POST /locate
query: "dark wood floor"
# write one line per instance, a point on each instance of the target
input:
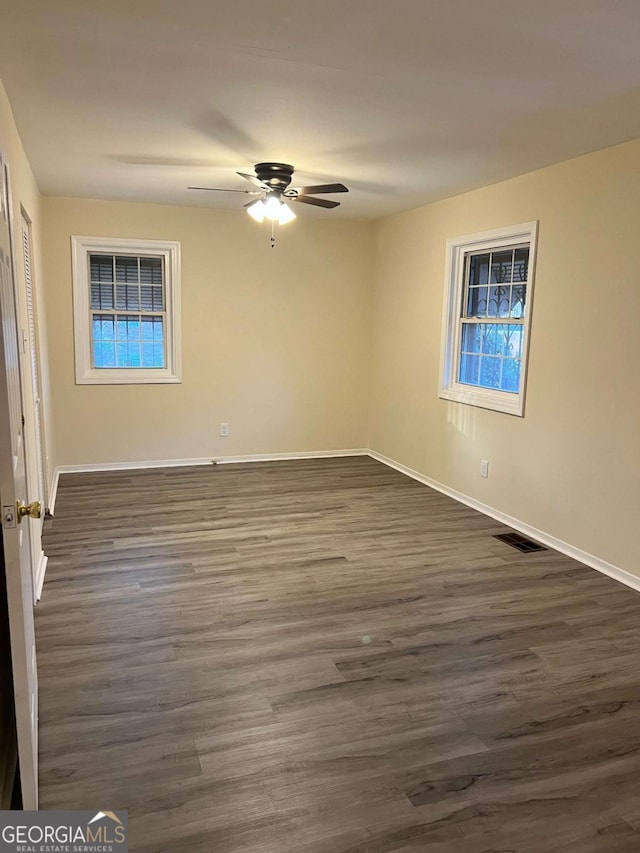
(328, 657)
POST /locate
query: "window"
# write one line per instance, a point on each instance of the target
(126, 296)
(486, 320)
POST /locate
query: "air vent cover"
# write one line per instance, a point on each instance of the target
(517, 540)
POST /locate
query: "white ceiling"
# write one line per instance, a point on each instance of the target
(405, 101)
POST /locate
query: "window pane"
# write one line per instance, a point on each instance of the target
(499, 303)
(146, 326)
(511, 340)
(489, 338)
(147, 354)
(101, 267)
(151, 298)
(479, 269)
(151, 270)
(469, 368)
(133, 329)
(101, 295)
(128, 327)
(158, 355)
(510, 375)
(128, 297)
(144, 341)
(133, 355)
(146, 298)
(521, 265)
(490, 372)
(477, 302)
(103, 354)
(107, 329)
(121, 328)
(518, 295)
(127, 269)
(103, 327)
(471, 337)
(501, 266)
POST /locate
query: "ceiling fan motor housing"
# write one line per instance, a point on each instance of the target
(275, 175)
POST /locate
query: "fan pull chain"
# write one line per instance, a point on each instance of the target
(273, 233)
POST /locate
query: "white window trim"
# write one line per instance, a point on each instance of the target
(457, 249)
(81, 247)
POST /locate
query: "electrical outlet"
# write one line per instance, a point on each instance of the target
(224, 430)
(484, 468)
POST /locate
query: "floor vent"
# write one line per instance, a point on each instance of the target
(517, 540)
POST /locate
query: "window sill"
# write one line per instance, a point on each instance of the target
(124, 376)
(498, 401)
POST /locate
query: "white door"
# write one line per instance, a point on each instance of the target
(15, 530)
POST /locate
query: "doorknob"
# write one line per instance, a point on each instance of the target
(33, 510)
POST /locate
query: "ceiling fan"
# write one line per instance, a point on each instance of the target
(272, 186)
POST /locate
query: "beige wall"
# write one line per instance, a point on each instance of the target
(275, 341)
(25, 195)
(571, 466)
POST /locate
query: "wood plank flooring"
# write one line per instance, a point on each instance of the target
(327, 657)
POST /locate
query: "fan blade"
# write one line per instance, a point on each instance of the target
(224, 190)
(318, 202)
(253, 180)
(321, 189)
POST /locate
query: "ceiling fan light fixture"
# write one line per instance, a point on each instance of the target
(285, 214)
(272, 207)
(272, 183)
(256, 210)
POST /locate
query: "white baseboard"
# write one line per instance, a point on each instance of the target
(53, 491)
(202, 460)
(615, 572)
(280, 457)
(95, 467)
(42, 568)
